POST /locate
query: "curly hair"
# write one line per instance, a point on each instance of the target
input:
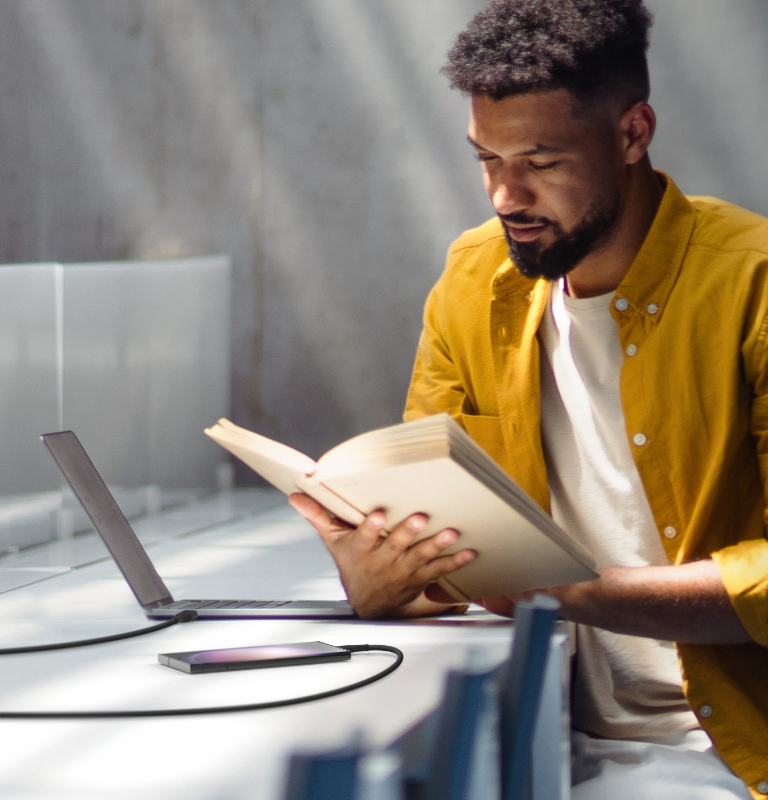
(593, 48)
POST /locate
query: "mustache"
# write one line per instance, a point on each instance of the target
(521, 218)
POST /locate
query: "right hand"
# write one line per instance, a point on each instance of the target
(385, 576)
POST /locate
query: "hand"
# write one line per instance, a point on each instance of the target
(384, 576)
(504, 605)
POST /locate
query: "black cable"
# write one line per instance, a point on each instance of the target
(178, 712)
(184, 616)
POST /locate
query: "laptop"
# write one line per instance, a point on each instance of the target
(132, 559)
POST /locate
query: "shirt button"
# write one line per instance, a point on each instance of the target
(639, 439)
(622, 304)
(670, 532)
(762, 787)
(705, 711)
(652, 308)
(632, 349)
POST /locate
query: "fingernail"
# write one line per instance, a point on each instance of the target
(467, 556)
(417, 523)
(448, 537)
(377, 519)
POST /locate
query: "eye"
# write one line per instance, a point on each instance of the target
(541, 167)
(485, 157)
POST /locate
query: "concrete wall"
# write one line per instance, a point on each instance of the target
(315, 142)
(709, 78)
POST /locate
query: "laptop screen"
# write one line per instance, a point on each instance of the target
(108, 519)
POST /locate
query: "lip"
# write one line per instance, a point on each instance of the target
(527, 234)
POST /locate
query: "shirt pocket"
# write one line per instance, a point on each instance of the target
(485, 431)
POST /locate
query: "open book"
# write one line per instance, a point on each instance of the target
(431, 466)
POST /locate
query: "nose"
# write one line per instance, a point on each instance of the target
(510, 193)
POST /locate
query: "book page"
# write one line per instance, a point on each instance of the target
(407, 441)
(285, 468)
(281, 465)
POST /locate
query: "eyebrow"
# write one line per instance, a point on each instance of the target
(539, 149)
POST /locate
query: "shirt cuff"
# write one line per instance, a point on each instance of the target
(744, 569)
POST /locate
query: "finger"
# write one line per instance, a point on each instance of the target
(368, 537)
(444, 565)
(437, 594)
(403, 535)
(316, 515)
(429, 549)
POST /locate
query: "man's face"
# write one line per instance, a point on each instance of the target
(552, 176)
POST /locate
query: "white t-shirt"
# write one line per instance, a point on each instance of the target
(626, 687)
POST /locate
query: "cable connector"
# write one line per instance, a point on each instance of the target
(355, 648)
(182, 616)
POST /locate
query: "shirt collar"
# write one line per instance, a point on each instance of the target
(649, 281)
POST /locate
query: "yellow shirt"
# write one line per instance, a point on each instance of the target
(692, 313)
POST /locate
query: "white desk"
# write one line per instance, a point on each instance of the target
(264, 551)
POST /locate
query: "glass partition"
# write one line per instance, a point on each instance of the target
(132, 356)
(29, 401)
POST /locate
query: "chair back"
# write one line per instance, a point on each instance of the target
(323, 776)
(465, 700)
(520, 687)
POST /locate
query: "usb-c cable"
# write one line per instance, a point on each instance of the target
(189, 616)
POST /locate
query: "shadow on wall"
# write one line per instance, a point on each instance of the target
(316, 143)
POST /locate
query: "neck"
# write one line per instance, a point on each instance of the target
(603, 269)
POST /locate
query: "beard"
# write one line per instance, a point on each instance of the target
(568, 249)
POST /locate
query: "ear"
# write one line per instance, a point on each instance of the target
(635, 131)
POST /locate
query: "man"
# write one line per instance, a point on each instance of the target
(605, 339)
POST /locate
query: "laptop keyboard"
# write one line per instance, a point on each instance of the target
(184, 604)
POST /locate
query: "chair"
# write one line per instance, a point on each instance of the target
(467, 701)
(323, 776)
(520, 686)
(482, 743)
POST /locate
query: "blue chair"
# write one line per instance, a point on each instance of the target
(449, 771)
(455, 766)
(470, 700)
(520, 686)
(323, 776)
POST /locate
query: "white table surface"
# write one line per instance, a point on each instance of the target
(264, 551)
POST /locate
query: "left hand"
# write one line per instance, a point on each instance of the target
(503, 605)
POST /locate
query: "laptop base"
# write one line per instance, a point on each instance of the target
(255, 609)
